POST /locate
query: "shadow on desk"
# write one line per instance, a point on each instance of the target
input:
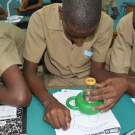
(22, 25)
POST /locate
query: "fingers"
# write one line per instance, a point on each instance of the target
(58, 118)
(68, 118)
(101, 94)
(106, 106)
(52, 120)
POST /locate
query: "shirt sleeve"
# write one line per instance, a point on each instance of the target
(121, 53)
(35, 40)
(113, 3)
(8, 54)
(103, 42)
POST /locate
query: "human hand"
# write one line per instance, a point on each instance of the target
(110, 90)
(114, 15)
(21, 9)
(57, 115)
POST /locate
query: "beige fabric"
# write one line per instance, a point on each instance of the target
(62, 58)
(11, 45)
(107, 3)
(52, 80)
(122, 56)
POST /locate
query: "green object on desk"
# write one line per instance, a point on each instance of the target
(83, 106)
(124, 111)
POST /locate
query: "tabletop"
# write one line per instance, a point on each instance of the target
(124, 111)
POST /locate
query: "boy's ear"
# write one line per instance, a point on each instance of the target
(60, 11)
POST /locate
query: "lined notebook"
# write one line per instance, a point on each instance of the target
(15, 125)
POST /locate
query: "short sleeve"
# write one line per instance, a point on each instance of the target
(35, 40)
(8, 54)
(103, 41)
(113, 3)
(121, 53)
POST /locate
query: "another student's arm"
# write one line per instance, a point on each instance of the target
(36, 6)
(2, 13)
(56, 114)
(114, 9)
(15, 91)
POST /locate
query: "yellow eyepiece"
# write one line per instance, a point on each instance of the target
(90, 81)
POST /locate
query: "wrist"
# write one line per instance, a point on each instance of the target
(48, 100)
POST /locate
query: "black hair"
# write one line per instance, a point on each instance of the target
(82, 14)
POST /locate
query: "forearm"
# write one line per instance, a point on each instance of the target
(37, 87)
(25, 3)
(36, 6)
(102, 74)
(7, 96)
(131, 84)
(4, 15)
(115, 10)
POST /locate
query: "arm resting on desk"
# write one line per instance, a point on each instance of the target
(36, 6)
(55, 114)
(2, 13)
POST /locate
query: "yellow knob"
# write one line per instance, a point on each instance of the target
(90, 81)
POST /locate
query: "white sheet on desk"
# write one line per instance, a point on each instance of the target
(7, 112)
(133, 99)
(82, 124)
(14, 19)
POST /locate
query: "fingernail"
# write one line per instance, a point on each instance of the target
(93, 109)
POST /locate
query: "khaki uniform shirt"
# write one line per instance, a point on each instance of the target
(62, 58)
(107, 3)
(123, 50)
(11, 45)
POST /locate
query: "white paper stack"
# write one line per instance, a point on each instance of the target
(81, 124)
(14, 19)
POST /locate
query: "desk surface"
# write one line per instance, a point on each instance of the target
(116, 22)
(124, 111)
(129, 3)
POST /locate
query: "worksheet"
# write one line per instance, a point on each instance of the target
(82, 124)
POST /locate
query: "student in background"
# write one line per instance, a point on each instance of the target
(110, 3)
(13, 88)
(28, 7)
(2, 13)
(121, 61)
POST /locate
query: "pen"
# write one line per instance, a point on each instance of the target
(130, 132)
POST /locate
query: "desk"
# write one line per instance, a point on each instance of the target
(124, 111)
(129, 6)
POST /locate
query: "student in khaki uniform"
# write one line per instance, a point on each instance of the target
(121, 61)
(105, 7)
(2, 13)
(14, 91)
(74, 38)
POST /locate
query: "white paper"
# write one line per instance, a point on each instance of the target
(7, 112)
(14, 19)
(133, 99)
(82, 124)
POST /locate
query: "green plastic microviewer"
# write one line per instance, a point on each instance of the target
(81, 102)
